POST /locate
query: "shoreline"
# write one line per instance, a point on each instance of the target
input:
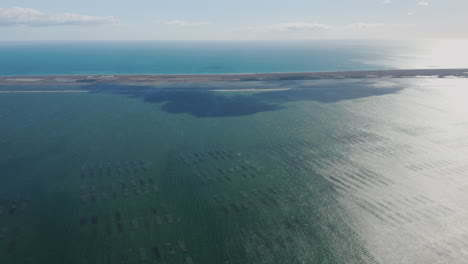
(145, 79)
(171, 90)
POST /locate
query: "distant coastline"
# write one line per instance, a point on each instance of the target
(83, 80)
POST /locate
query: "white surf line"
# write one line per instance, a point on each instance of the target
(200, 90)
(249, 90)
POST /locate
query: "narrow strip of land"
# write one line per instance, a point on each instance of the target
(129, 91)
(44, 91)
(84, 80)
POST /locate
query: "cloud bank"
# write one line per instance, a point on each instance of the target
(293, 26)
(185, 23)
(30, 17)
(314, 27)
(307, 30)
(423, 3)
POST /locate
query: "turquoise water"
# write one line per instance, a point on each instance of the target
(61, 58)
(329, 171)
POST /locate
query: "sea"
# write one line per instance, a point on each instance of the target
(336, 171)
(215, 57)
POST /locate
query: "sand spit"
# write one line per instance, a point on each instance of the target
(23, 80)
(45, 91)
(160, 79)
(123, 91)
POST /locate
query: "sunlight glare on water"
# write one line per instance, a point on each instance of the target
(349, 171)
(424, 54)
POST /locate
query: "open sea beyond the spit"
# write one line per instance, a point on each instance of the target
(192, 57)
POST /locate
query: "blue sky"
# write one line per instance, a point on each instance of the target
(231, 20)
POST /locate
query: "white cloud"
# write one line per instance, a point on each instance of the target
(423, 3)
(306, 30)
(313, 27)
(388, 1)
(361, 26)
(31, 17)
(185, 23)
(293, 26)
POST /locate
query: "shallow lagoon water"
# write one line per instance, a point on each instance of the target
(324, 171)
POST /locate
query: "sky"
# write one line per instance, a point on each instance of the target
(231, 20)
